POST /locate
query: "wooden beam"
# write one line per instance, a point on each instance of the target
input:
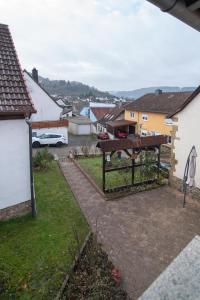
(112, 153)
(126, 151)
(118, 168)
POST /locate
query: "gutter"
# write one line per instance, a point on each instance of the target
(33, 202)
(187, 13)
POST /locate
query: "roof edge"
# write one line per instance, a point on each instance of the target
(188, 100)
(42, 88)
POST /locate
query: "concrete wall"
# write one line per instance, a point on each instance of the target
(187, 135)
(47, 109)
(14, 163)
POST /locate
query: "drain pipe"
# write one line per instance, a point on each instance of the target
(33, 202)
(189, 14)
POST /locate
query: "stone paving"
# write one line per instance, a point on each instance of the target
(141, 233)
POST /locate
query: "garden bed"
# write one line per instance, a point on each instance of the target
(94, 277)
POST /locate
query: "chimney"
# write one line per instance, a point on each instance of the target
(35, 75)
(158, 92)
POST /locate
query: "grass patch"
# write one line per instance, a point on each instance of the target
(34, 256)
(93, 166)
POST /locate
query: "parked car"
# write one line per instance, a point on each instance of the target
(121, 135)
(103, 136)
(49, 139)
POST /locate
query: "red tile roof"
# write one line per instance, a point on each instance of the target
(188, 100)
(99, 112)
(165, 103)
(113, 114)
(14, 97)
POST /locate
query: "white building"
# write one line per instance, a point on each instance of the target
(80, 125)
(16, 190)
(185, 135)
(49, 116)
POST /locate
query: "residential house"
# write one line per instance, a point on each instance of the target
(16, 184)
(49, 116)
(151, 112)
(115, 121)
(67, 112)
(88, 111)
(184, 136)
(80, 107)
(97, 113)
(85, 111)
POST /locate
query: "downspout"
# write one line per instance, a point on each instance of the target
(33, 202)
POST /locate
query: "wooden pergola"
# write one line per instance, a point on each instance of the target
(132, 147)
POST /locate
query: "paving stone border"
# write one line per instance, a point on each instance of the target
(89, 179)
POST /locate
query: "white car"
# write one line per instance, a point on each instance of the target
(49, 139)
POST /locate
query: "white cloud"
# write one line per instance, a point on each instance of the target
(111, 44)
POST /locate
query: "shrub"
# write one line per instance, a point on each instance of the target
(42, 159)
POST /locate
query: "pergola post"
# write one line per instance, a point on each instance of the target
(158, 163)
(133, 168)
(103, 169)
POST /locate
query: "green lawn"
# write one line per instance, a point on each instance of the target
(34, 253)
(93, 166)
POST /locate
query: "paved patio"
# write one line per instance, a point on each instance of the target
(141, 233)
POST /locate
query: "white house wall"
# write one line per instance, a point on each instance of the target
(14, 163)
(47, 109)
(188, 135)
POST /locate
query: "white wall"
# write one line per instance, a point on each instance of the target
(14, 163)
(188, 133)
(47, 109)
(79, 129)
(97, 104)
(84, 129)
(56, 130)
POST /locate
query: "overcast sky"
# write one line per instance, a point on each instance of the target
(110, 44)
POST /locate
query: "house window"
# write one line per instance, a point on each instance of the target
(168, 121)
(132, 114)
(169, 139)
(144, 133)
(144, 117)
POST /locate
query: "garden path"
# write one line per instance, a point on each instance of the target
(141, 233)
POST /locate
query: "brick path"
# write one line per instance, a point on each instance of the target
(141, 233)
